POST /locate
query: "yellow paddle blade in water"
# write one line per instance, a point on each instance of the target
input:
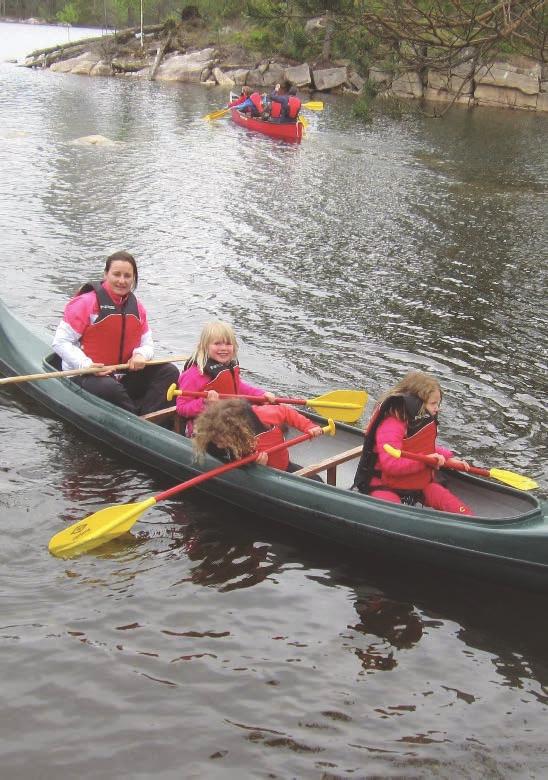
(349, 404)
(216, 114)
(314, 105)
(304, 122)
(514, 480)
(97, 529)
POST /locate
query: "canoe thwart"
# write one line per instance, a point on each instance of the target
(330, 465)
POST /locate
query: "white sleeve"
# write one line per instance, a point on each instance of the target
(146, 347)
(66, 343)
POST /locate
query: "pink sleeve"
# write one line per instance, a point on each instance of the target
(79, 310)
(277, 414)
(392, 431)
(444, 451)
(191, 379)
(245, 389)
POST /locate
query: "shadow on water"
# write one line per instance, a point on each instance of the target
(395, 603)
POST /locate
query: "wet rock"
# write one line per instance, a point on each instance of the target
(94, 140)
(186, 67)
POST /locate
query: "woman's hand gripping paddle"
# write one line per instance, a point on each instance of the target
(508, 477)
(113, 521)
(342, 405)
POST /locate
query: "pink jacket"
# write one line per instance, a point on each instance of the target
(392, 431)
(193, 379)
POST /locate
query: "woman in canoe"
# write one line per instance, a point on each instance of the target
(406, 418)
(285, 105)
(232, 429)
(213, 367)
(105, 324)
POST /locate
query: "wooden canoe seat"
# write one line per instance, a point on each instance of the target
(330, 465)
(164, 414)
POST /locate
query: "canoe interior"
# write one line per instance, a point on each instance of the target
(487, 499)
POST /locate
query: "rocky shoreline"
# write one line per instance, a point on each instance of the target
(163, 54)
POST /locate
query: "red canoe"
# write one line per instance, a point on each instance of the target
(288, 131)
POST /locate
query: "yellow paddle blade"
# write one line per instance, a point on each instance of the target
(172, 392)
(304, 122)
(314, 105)
(513, 479)
(97, 529)
(349, 404)
(216, 114)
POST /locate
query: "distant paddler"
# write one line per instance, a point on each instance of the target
(105, 324)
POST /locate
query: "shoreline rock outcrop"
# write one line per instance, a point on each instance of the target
(516, 82)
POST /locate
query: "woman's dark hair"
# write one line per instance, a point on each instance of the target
(126, 258)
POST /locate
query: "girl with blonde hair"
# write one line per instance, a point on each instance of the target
(406, 418)
(212, 368)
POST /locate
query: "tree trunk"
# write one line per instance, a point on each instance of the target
(159, 56)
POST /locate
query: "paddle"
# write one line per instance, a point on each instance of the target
(342, 405)
(113, 521)
(9, 380)
(313, 105)
(508, 477)
(217, 114)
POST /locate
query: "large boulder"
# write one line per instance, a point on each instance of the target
(223, 79)
(81, 65)
(299, 75)
(275, 73)
(524, 77)
(329, 78)
(380, 76)
(101, 69)
(450, 83)
(186, 67)
(542, 101)
(488, 95)
(238, 76)
(408, 85)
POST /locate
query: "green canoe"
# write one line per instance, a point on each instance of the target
(507, 540)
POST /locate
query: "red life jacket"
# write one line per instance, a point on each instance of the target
(293, 107)
(277, 460)
(226, 381)
(257, 102)
(424, 441)
(275, 110)
(117, 330)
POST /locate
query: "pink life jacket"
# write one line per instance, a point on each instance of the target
(424, 441)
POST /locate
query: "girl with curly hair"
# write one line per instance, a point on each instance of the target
(232, 429)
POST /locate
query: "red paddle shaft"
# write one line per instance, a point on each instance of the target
(449, 463)
(256, 399)
(234, 465)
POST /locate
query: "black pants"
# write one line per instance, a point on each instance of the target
(139, 392)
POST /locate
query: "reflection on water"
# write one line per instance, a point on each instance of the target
(343, 262)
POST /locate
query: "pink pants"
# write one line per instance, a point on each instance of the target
(435, 496)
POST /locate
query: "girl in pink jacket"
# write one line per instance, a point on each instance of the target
(213, 368)
(406, 418)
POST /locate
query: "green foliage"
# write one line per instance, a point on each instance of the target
(68, 14)
(260, 40)
(362, 108)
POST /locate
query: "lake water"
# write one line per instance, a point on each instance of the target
(215, 644)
